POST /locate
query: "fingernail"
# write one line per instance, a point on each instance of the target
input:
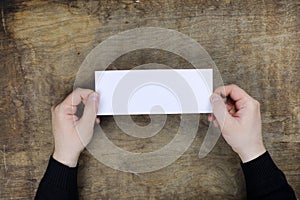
(95, 97)
(215, 98)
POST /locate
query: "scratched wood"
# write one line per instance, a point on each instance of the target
(255, 44)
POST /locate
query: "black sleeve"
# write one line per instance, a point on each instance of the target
(264, 180)
(59, 182)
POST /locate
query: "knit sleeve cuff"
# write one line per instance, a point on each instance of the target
(262, 172)
(60, 175)
(260, 168)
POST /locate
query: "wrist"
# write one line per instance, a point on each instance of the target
(68, 160)
(251, 154)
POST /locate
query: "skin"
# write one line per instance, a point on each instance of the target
(235, 112)
(72, 134)
(239, 120)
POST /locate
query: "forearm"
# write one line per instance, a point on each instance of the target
(59, 182)
(264, 180)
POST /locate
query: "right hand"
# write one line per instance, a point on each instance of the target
(240, 122)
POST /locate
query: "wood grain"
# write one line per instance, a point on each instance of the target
(255, 44)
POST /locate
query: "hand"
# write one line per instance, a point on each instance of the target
(72, 134)
(239, 120)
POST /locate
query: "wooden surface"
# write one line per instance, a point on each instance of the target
(255, 44)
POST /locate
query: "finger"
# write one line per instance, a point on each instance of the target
(70, 110)
(210, 117)
(235, 92)
(242, 103)
(216, 124)
(76, 97)
(97, 120)
(91, 107)
(87, 121)
(220, 110)
(231, 109)
(75, 118)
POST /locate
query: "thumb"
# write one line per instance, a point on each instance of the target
(220, 110)
(87, 120)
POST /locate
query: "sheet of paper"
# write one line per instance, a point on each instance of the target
(155, 91)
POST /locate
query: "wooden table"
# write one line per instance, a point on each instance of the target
(255, 44)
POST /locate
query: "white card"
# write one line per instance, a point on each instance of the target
(154, 91)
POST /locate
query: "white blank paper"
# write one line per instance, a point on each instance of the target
(155, 91)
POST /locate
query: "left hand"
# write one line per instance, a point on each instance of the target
(72, 134)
